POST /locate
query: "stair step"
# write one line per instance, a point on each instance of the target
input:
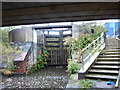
(112, 53)
(111, 67)
(104, 71)
(107, 62)
(100, 76)
(113, 50)
(109, 45)
(109, 55)
(108, 59)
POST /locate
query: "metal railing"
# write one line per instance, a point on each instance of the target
(91, 49)
(118, 80)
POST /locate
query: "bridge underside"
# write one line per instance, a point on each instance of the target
(21, 13)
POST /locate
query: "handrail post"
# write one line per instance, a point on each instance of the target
(94, 44)
(102, 38)
(82, 60)
(89, 52)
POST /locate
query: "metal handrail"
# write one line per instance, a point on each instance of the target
(94, 48)
(118, 80)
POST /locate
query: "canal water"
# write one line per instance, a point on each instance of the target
(49, 77)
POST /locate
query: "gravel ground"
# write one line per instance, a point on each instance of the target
(50, 77)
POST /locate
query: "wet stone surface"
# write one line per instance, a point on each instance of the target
(49, 77)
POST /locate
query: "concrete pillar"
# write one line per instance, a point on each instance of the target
(35, 45)
(75, 34)
(75, 31)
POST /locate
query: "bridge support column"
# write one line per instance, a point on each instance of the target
(75, 34)
(35, 45)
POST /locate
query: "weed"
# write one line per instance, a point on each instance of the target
(73, 67)
(84, 83)
(99, 80)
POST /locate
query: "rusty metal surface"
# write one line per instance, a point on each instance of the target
(22, 56)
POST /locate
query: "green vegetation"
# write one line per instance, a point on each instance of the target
(41, 61)
(73, 67)
(7, 52)
(84, 83)
(85, 38)
(99, 80)
(4, 35)
(85, 28)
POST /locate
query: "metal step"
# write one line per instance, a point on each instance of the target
(103, 71)
(100, 76)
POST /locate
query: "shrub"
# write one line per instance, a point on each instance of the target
(85, 39)
(41, 61)
(4, 34)
(73, 67)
